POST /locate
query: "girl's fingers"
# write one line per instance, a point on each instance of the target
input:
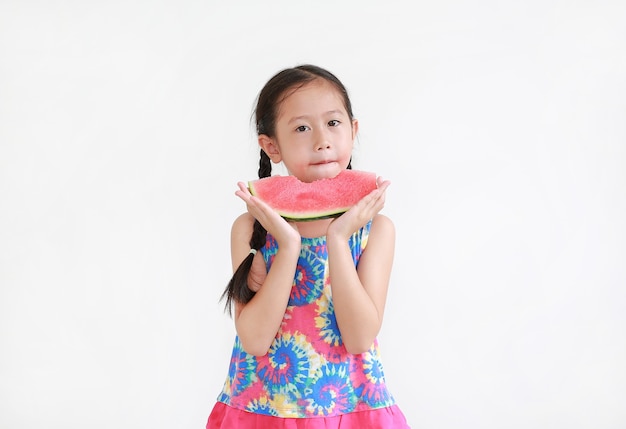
(258, 208)
(376, 197)
(364, 210)
(382, 184)
(243, 190)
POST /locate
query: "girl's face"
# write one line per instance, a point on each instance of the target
(314, 134)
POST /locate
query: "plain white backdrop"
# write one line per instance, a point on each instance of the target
(125, 125)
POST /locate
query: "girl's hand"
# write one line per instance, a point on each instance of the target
(283, 231)
(349, 222)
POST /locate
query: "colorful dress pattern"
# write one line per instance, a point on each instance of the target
(307, 371)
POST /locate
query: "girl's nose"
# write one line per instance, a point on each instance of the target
(322, 141)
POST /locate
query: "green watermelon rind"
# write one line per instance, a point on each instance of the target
(296, 218)
(366, 180)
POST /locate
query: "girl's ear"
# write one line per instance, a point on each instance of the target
(270, 147)
(355, 127)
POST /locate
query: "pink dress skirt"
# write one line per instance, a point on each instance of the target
(227, 417)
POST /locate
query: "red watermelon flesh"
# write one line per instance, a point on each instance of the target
(323, 198)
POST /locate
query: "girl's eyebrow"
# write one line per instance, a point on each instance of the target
(304, 117)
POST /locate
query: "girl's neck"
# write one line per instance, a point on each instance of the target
(313, 229)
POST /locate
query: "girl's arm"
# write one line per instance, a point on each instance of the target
(257, 322)
(359, 295)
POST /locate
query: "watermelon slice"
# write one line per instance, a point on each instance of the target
(323, 198)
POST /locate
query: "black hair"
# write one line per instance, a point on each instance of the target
(279, 87)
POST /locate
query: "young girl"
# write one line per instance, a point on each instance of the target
(308, 297)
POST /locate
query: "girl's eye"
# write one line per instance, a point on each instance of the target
(333, 123)
(302, 128)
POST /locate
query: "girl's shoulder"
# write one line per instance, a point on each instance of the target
(382, 234)
(241, 229)
(244, 221)
(383, 224)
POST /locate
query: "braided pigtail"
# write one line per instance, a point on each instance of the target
(237, 289)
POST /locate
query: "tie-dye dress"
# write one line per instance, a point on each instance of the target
(307, 372)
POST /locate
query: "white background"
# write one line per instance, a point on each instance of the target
(125, 125)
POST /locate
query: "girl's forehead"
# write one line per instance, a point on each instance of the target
(312, 95)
